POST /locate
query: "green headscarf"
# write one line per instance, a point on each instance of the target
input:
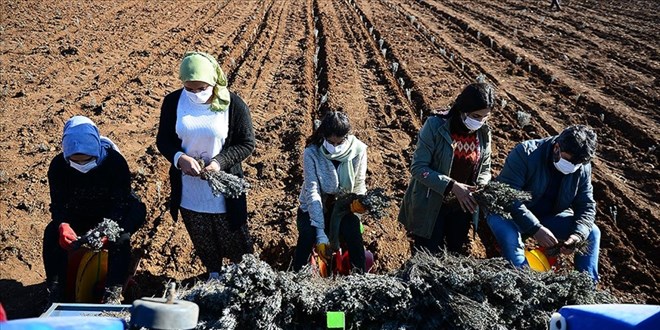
(199, 66)
(346, 172)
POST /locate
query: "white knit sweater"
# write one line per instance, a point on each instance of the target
(203, 133)
(321, 179)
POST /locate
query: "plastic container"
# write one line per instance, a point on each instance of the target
(66, 323)
(610, 316)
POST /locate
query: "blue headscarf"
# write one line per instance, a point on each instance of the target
(81, 136)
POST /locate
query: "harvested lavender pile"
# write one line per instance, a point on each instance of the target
(93, 239)
(445, 292)
(250, 295)
(498, 198)
(467, 293)
(124, 314)
(225, 184)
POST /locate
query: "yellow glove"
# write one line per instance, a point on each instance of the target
(357, 207)
(324, 250)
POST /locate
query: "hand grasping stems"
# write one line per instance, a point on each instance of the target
(464, 196)
(189, 165)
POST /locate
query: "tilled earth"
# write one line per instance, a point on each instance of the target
(386, 63)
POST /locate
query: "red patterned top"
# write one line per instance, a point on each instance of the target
(466, 156)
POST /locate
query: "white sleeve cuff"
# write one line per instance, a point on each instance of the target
(176, 158)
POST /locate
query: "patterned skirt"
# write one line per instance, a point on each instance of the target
(215, 243)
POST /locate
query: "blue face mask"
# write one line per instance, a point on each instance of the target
(83, 168)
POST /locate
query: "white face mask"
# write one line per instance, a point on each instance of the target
(83, 168)
(565, 166)
(334, 150)
(200, 97)
(473, 124)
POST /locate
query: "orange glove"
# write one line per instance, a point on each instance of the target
(67, 236)
(357, 207)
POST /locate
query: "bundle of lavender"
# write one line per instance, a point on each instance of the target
(223, 183)
(374, 203)
(226, 184)
(106, 230)
(498, 198)
(580, 247)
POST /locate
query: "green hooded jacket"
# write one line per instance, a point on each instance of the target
(430, 170)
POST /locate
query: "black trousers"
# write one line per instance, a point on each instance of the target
(349, 231)
(56, 258)
(450, 230)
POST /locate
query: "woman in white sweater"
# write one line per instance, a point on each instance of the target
(335, 162)
(204, 121)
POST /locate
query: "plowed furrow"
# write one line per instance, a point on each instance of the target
(550, 42)
(591, 107)
(642, 14)
(276, 81)
(361, 84)
(19, 22)
(575, 24)
(421, 63)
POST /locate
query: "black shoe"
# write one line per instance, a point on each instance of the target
(54, 294)
(55, 291)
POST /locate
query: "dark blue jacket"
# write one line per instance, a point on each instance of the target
(528, 168)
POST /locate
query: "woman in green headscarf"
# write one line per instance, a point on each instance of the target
(204, 127)
(334, 163)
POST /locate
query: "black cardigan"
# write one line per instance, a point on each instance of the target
(237, 147)
(83, 200)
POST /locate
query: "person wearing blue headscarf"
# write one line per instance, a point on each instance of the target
(86, 123)
(89, 181)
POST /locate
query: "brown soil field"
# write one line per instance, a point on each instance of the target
(387, 63)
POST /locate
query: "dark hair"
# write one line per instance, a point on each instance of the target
(333, 123)
(579, 141)
(474, 97)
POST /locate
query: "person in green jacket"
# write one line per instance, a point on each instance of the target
(451, 160)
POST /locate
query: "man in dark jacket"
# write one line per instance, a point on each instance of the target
(557, 171)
